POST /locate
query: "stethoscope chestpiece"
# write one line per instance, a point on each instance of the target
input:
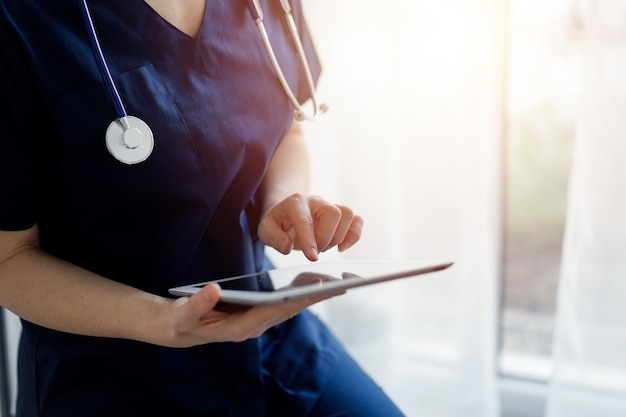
(129, 140)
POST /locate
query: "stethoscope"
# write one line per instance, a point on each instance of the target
(130, 140)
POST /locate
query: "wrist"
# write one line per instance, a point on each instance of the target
(155, 323)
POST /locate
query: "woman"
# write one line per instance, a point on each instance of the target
(90, 245)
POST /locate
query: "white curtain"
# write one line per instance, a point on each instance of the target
(590, 341)
(412, 142)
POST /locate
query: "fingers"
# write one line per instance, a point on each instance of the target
(301, 220)
(311, 224)
(332, 225)
(288, 225)
(342, 231)
(352, 235)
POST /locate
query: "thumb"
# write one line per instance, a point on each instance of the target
(202, 302)
(274, 236)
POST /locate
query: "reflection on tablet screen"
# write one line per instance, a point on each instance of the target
(274, 281)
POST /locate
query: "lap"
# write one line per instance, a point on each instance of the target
(352, 393)
(307, 372)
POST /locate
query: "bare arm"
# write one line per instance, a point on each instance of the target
(59, 295)
(288, 172)
(53, 293)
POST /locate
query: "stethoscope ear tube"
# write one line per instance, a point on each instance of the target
(120, 111)
(257, 16)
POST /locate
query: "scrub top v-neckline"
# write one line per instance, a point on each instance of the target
(169, 21)
(144, 15)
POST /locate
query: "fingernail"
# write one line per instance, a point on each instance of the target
(312, 254)
(287, 246)
(344, 247)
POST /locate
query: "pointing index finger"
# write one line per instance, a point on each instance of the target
(304, 227)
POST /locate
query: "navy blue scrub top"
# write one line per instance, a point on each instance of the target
(186, 214)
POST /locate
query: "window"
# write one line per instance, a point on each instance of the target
(543, 83)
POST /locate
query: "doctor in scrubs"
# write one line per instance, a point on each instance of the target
(206, 167)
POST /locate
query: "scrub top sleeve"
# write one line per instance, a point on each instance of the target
(21, 121)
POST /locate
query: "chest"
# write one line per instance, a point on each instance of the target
(185, 15)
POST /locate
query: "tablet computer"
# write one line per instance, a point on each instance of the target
(322, 278)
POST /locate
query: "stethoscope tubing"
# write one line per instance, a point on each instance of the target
(257, 15)
(120, 111)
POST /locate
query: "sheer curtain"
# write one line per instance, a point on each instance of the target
(412, 142)
(590, 343)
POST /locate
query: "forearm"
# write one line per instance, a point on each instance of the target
(288, 172)
(55, 294)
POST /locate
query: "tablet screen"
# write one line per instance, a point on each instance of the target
(283, 279)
